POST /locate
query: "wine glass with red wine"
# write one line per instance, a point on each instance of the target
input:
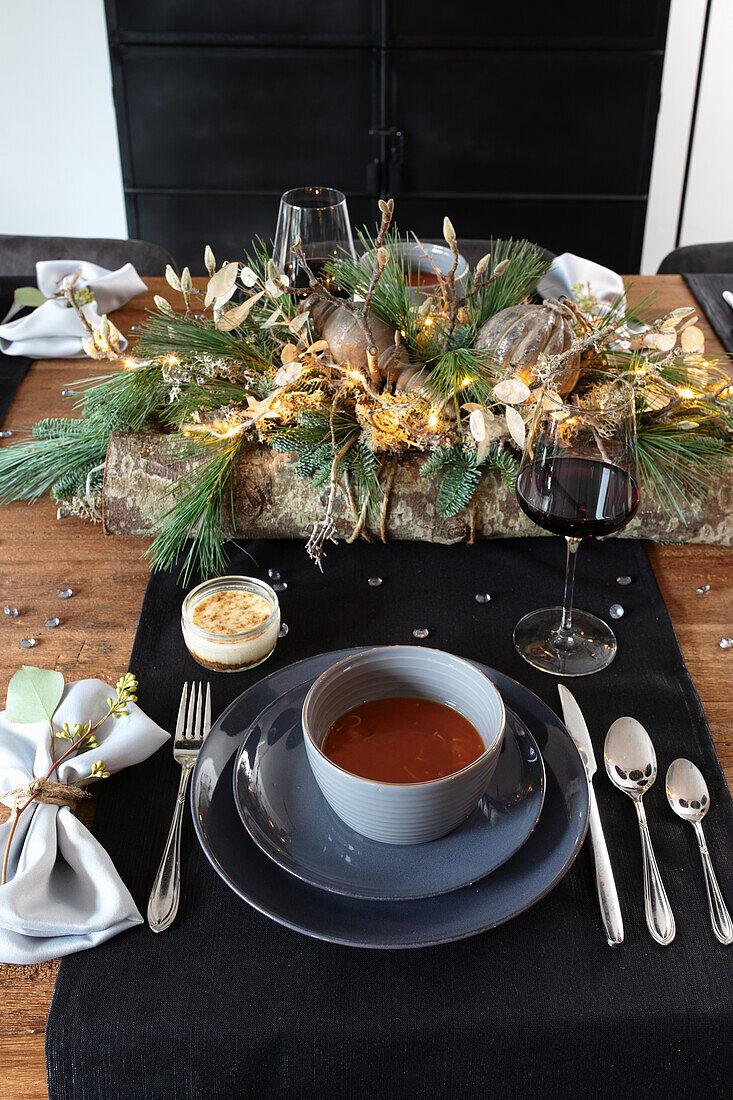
(320, 218)
(577, 479)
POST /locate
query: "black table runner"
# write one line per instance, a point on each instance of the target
(227, 1003)
(708, 289)
(13, 368)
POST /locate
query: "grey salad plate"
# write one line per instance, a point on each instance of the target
(531, 873)
(286, 815)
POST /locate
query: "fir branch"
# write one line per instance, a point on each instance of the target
(505, 461)
(58, 428)
(461, 475)
(74, 482)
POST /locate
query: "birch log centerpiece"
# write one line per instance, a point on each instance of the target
(268, 500)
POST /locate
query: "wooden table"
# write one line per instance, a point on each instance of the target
(108, 577)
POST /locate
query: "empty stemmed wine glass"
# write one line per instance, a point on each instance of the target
(577, 479)
(320, 218)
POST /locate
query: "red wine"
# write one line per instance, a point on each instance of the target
(577, 497)
(317, 264)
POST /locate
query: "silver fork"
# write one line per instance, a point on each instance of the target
(190, 733)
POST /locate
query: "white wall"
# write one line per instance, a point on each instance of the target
(59, 159)
(708, 210)
(708, 214)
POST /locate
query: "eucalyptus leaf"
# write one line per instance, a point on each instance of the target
(33, 695)
(29, 296)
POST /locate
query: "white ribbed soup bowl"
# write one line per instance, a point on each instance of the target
(403, 813)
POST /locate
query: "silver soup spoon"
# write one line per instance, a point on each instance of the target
(631, 763)
(688, 796)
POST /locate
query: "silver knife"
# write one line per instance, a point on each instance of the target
(605, 882)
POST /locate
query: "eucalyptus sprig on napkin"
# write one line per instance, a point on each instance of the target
(33, 695)
(60, 891)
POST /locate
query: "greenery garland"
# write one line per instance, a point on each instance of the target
(253, 363)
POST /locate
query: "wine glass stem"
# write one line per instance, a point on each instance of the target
(565, 630)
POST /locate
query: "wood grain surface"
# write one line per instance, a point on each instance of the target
(108, 576)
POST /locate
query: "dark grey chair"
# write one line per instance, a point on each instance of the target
(18, 255)
(699, 259)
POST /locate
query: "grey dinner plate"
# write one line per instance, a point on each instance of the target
(285, 813)
(525, 878)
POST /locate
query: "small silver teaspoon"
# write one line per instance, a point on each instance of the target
(631, 763)
(688, 796)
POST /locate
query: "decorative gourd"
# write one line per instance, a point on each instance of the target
(347, 342)
(416, 377)
(519, 335)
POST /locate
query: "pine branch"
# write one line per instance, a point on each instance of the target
(165, 334)
(124, 400)
(679, 467)
(464, 374)
(197, 514)
(28, 470)
(526, 266)
(393, 299)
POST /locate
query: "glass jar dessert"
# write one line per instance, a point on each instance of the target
(231, 623)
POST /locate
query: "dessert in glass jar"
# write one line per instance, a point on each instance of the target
(231, 623)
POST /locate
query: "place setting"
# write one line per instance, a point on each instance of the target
(395, 678)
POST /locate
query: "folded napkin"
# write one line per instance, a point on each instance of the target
(567, 272)
(53, 331)
(63, 893)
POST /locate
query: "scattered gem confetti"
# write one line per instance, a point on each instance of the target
(374, 582)
(482, 597)
(615, 611)
(420, 632)
(726, 643)
(27, 643)
(65, 593)
(623, 580)
(279, 586)
(136, 328)
(5, 434)
(67, 393)
(273, 574)
(284, 628)
(10, 611)
(703, 590)
(53, 621)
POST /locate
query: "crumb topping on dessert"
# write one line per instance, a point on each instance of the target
(231, 612)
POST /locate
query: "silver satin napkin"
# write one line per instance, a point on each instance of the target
(568, 272)
(63, 893)
(53, 331)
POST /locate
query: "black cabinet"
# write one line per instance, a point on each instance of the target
(527, 119)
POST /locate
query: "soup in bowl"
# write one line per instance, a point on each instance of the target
(403, 741)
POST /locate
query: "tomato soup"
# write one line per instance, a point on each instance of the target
(420, 276)
(402, 740)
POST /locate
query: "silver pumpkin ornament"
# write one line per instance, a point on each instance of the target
(517, 336)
